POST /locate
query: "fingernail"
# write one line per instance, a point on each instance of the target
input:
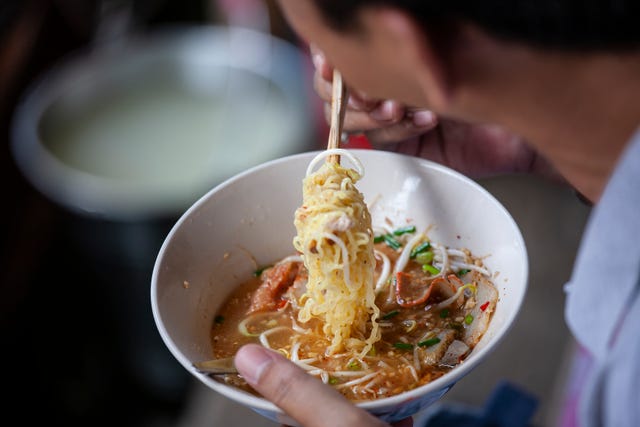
(251, 361)
(318, 59)
(385, 111)
(423, 118)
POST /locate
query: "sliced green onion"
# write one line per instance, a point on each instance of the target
(428, 268)
(403, 346)
(429, 342)
(354, 366)
(391, 242)
(405, 230)
(462, 272)
(259, 271)
(468, 319)
(444, 313)
(333, 381)
(219, 320)
(378, 239)
(455, 325)
(424, 257)
(419, 249)
(390, 314)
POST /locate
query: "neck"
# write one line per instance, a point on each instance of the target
(577, 110)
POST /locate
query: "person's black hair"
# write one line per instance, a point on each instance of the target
(560, 24)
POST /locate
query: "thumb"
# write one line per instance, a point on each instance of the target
(303, 397)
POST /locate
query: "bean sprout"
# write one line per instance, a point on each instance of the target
(386, 267)
(455, 296)
(403, 259)
(358, 381)
(263, 336)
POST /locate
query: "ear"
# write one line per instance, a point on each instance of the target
(416, 51)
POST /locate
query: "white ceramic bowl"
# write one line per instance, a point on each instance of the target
(209, 247)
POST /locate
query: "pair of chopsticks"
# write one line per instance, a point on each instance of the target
(338, 104)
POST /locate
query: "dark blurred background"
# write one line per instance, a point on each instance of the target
(79, 346)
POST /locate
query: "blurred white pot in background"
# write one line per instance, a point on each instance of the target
(143, 129)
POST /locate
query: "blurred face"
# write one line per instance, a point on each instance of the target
(366, 57)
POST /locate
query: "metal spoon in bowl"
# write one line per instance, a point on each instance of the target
(216, 366)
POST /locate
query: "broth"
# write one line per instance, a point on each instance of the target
(430, 321)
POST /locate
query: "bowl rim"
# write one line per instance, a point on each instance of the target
(440, 383)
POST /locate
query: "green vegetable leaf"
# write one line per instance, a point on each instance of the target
(391, 242)
(462, 272)
(403, 346)
(425, 257)
(419, 249)
(405, 230)
(428, 268)
(429, 342)
(455, 325)
(259, 271)
(354, 366)
(390, 314)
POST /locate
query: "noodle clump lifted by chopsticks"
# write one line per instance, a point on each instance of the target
(335, 238)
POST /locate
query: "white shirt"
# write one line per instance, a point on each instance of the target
(603, 301)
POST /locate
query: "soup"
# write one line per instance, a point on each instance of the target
(371, 311)
(435, 303)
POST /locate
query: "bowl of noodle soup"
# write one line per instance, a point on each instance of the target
(244, 229)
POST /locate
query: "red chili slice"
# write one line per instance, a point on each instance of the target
(484, 306)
